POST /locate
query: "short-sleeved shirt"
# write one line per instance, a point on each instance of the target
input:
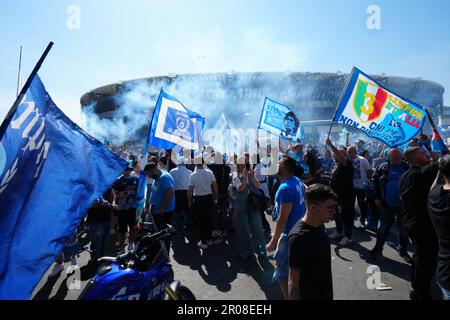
(360, 167)
(309, 251)
(291, 191)
(125, 189)
(180, 177)
(158, 191)
(201, 180)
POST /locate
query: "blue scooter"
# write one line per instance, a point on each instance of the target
(141, 274)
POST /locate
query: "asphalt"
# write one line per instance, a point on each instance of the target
(217, 273)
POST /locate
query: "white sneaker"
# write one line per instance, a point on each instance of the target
(335, 235)
(345, 242)
(202, 245)
(57, 269)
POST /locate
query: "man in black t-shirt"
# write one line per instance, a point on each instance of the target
(439, 208)
(310, 276)
(342, 185)
(415, 186)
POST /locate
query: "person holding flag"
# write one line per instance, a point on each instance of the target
(51, 175)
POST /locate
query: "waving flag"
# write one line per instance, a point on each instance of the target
(279, 120)
(51, 172)
(174, 124)
(437, 144)
(379, 113)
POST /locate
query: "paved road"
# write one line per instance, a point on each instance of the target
(216, 273)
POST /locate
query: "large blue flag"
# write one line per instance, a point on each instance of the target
(378, 112)
(279, 120)
(51, 172)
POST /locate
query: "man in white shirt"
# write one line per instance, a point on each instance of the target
(202, 195)
(362, 172)
(180, 177)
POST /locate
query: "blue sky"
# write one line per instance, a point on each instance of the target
(121, 40)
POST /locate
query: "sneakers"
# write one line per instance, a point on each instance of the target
(202, 245)
(335, 235)
(345, 242)
(57, 269)
(406, 257)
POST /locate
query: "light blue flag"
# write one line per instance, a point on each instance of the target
(51, 172)
(279, 120)
(378, 112)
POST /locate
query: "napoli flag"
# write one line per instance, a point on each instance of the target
(279, 120)
(51, 172)
(378, 112)
(174, 124)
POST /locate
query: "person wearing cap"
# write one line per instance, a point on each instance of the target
(125, 188)
(162, 196)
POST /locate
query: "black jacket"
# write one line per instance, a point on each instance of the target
(415, 186)
(379, 180)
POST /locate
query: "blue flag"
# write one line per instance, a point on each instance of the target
(279, 120)
(51, 172)
(379, 113)
(174, 124)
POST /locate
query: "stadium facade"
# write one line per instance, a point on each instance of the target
(312, 96)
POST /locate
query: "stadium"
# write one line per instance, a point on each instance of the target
(237, 97)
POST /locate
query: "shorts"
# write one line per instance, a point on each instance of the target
(281, 272)
(126, 219)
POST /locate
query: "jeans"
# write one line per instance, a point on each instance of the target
(345, 215)
(179, 216)
(360, 196)
(161, 222)
(99, 234)
(388, 215)
(249, 237)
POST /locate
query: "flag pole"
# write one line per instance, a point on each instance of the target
(340, 100)
(18, 73)
(24, 90)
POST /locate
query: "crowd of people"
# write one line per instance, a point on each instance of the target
(233, 199)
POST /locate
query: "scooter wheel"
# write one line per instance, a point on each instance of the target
(184, 293)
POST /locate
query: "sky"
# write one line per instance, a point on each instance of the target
(122, 40)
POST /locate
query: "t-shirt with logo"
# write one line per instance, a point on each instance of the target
(125, 189)
(360, 167)
(291, 191)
